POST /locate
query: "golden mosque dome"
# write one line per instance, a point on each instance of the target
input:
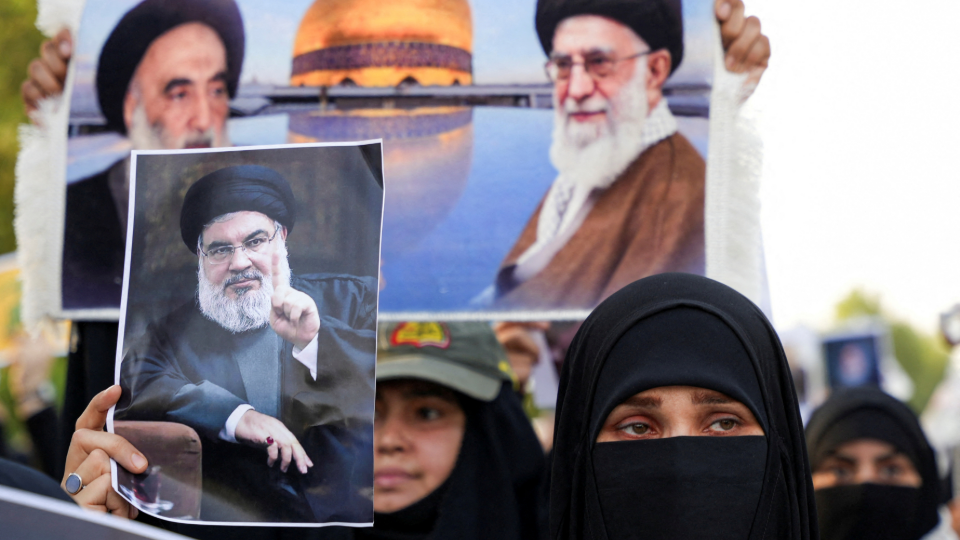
(384, 43)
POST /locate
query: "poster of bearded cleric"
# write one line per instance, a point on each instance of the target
(538, 154)
(247, 338)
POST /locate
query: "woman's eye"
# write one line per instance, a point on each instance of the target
(428, 413)
(841, 472)
(725, 424)
(891, 471)
(636, 429)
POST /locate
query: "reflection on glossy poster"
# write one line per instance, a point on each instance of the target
(537, 155)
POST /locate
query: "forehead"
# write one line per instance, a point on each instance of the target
(866, 449)
(585, 33)
(238, 226)
(408, 389)
(189, 50)
(679, 395)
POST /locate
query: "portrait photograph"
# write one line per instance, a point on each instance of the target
(528, 174)
(247, 342)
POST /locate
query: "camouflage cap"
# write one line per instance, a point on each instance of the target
(464, 356)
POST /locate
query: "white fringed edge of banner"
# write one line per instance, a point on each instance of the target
(40, 190)
(734, 242)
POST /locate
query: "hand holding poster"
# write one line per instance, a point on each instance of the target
(247, 359)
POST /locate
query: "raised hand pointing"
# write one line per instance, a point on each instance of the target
(294, 314)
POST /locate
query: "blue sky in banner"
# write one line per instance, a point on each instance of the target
(505, 46)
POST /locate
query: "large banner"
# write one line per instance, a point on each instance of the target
(537, 155)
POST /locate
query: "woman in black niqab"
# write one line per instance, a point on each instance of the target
(872, 510)
(679, 330)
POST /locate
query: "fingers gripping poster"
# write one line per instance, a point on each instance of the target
(537, 155)
(248, 333)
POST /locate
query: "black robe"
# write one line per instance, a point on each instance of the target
(93, 244)
(182, 371)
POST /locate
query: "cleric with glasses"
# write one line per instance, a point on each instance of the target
(257, 241)
(233, 363)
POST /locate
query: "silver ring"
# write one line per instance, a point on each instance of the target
(73, 484)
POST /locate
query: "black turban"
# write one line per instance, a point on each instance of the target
(658, 22)
(129, 41)
(235, 189)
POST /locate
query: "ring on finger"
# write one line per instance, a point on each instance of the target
(73, 484)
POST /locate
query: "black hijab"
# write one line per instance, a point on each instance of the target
(494, 490)
(872, 510)
(668, 330)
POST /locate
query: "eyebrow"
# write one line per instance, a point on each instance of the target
(595, 50)
(429, 392)
(175, 83)
(847, 460)
(254, 234)
(709, 397)
(220, 77)
(216, 244)
(852, 460)
(221, 243)
(645, 402)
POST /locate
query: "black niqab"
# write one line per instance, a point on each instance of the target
(494, 491)
(872, 510)
(679, 330)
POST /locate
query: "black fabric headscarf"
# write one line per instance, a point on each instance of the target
(494, 491)
(872, 510)
(252, 188)
(679, 330)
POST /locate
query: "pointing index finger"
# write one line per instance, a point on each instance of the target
(275, 270)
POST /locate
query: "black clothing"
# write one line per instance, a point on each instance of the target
(657, 22)
(42, 427)
(871, 511)
(93, 246)
(184, 370)
(851, 511)
(414, 522)
(667, 330)
(494, 490)
(702, 487)
(90, 370)
(242, 187)
(19, 476)
(139, 27)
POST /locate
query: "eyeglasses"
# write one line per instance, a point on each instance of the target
(222, 254)
(597, 64)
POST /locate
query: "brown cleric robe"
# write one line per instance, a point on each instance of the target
(650, 220)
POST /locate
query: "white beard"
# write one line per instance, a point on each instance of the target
(594, 155)
(144, 136)
(251, 308)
